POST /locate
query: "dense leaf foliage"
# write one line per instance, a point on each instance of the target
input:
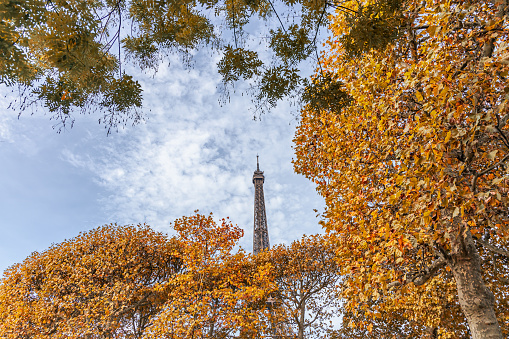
(405, 133)
(219, 293)
(413, 168)
(67, 55)
(133, 282)
(58, 52)
(100, 284)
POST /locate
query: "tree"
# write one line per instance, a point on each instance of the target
(218, 293)
(100, 284)
(413, 161)
(58, 53)
(133, 282)
(67, 55)
(307, 277)
(427, 312)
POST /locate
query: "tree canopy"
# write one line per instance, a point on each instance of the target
(100, 284)
(133, 282)
(219, 291)
(413, 166)
(67, 55)
(404, 132)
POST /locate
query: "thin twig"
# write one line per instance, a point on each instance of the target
(277, 15)
(462, 67)
(119, 27)
(316, 35)
(489, 169)
(341, 7)
(233, 14)
(318, 25)
(319, 63)
(504, 138)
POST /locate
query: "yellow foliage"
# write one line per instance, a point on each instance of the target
(99, 284)
(413, 168)
(219, 293)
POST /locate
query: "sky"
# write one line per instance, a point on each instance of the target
(192, 152)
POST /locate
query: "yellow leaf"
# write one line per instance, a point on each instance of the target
(448, 136)
(456, 212)
(492, 154)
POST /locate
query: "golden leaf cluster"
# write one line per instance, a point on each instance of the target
(413, 167)
(133, 282)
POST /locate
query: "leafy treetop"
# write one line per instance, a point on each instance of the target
(66, 55)
(413, 161)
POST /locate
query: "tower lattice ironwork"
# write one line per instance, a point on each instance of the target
(261, 233)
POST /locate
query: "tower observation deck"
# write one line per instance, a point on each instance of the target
(260, 234)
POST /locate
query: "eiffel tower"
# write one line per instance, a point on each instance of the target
(261, 233)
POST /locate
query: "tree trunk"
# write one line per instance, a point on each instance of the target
(476, 300)
(302, 317)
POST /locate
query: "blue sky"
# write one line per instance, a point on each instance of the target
(190, 153)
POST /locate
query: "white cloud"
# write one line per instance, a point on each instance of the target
(193, 153)
(5, 132)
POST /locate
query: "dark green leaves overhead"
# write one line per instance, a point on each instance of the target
(373, 26)
(68, 55)
(292, 45)
(59, 51)
(171, 23)
(278, 82)
(326, 92)
(239, 63)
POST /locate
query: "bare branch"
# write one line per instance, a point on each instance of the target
(343, 8)
(492, 248)
(277, 15)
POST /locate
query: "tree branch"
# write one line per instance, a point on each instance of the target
(489, 46)
(345, 9)
(277, 15)
(422, 277)
(489, 169)
(429, 272)
(502, 122)
(492, 248)
(394, 284)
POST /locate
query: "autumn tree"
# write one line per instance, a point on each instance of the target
(412, 158)
(427, 312)
(133, 282)
(100, 284)
(431, 310)
(220, 292)
(307, 277)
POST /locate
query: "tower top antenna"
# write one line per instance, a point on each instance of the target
(257, 164)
